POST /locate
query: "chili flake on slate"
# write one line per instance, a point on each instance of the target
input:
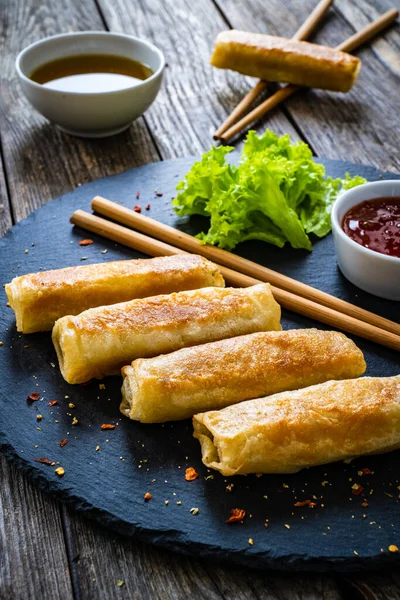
(107, 426)
(237, 515)
(53, 402)
(75, 421)
(63, 442)
(59, 471)
(34, 396)
(85, 242)
(357, 489)
(365, 471)
(191, 474)
(147, 496)
(305, 503)
(44, 461)
(137, 208)
(39, 417)
(148, 207)
(137, 195)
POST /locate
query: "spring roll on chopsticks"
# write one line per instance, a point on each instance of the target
(285, 60)
(284, 433)
(39, 299)
(214, 375)
(100, 341)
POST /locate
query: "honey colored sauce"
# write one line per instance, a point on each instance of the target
(91, 73)
(375, 224)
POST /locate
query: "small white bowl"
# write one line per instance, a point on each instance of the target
(91, 114)
(371, 271)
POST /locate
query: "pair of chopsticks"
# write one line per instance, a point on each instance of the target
(291, 294)
(233, 126)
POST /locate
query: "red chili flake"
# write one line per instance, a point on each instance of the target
(237, 515)
(364, 504)
(147, 496)
(107, 426)
(191, 474)
(357, 489)
(85, 242)
(137, 208)
(26, 346)
(44, 461)
(148, 207)
(312, 505)
(303, 503)
(367, 471)
(159, 194)
(53, 402)
(34, 396)
(137, 195)
(63, 443)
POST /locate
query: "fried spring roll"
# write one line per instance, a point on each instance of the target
(281, 59)
(214, 375)
(284, 433)
(101, 340)
(39, 299)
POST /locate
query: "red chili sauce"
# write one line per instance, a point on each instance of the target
(375, 224)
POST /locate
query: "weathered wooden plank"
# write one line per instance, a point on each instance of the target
(42, 162)
(375, 586)
(361, 126)
(33, 562)
(359, 13)
(5, 213)
(157, 574)
(195, 97)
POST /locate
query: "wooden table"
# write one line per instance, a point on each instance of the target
(48, 551)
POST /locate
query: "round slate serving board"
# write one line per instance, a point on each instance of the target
(109, 484)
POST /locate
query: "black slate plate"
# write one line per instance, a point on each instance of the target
(109, 484)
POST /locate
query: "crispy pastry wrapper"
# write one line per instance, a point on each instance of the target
(100, 341)
(39, 299)
(214, 375)
(286, 432)
(280, 59)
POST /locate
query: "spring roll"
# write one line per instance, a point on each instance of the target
(39, 299)
(101, 340)
(280, 59)
(284, 433)
(214, 375)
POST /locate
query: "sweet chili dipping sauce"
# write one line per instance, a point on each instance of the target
(375, 224)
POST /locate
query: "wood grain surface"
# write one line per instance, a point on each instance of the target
(46, 550)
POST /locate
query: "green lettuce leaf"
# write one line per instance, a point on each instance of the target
(277, 193)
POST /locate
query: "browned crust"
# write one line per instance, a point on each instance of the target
(217, 374)
(39, 299)
(279, 59)
(284, 433)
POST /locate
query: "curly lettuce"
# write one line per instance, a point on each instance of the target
(277, 193)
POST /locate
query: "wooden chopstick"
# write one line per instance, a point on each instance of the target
(290, 301)
(182, 240)
(348, 45)
(302, 33)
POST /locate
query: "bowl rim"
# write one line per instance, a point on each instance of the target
(337, 227)
(72, 34)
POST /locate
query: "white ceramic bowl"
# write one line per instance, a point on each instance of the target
(371, 271)
(91, 114)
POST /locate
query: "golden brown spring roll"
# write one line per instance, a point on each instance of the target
(39, 299)
(284, 433)
(101, 340)
(214, 375)
(281, 59)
